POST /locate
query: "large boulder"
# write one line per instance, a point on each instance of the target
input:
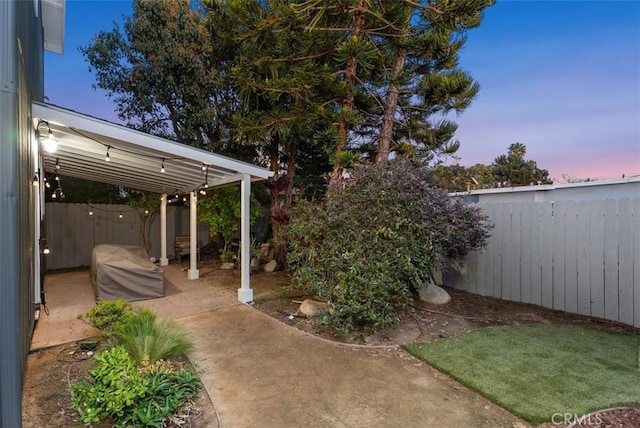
(431, 293)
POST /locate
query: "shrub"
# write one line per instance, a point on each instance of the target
(373, 240)
(148, 340)
(107, 314)
(117, 385)
(130, 396)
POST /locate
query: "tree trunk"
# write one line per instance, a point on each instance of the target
(358, 22)
(390, 106)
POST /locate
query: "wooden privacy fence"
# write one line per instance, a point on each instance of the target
(73, 230)
(577, 256)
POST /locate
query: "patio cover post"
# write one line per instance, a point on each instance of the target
(193, 231)
(163, 230)
(245, 293)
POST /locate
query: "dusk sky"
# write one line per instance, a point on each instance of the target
(561, 77)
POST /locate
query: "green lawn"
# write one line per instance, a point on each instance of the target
(537, 370)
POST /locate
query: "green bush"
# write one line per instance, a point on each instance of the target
(132, 396)
(372, 242)
(107, 314)
(148, 340)
(117, 385)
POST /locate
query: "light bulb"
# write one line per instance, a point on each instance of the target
(50, 144)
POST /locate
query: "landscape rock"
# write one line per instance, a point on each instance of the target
(271, 266)
(311, 308)
(431, 293)
(227, 266)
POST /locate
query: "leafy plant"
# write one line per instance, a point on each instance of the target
(117, 385)
(373, 240)
(107, 314)
(149, 340)
(132, 396)
(221, 208)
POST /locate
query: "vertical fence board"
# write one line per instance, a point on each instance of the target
(597, 258)
(636, 255)
(546, 246)
(526, 252)
(584, 273)
(497, 252)
(515, 243)
(505, 251)
(536, 277)
(611, 246)
(559, 224)
(472, 276)
(570, 257)
(626, 260)
(488, 253)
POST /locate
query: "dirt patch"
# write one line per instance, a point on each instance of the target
(50, 372)
(466, 312)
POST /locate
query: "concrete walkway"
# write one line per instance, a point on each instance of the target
(260, 372)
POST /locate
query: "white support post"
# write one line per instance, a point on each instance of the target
(245, 293)
(193, 272)
(164, 261)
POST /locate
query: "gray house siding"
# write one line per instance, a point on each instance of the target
(21, 80)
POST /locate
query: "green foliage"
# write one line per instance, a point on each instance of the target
(117, 385)
(374, 239)
(221, 208)
(148, 340)
(513, 170)
(106, 315)
(119, 390)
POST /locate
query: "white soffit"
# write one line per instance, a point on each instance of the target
(53, 19)
(135, 157)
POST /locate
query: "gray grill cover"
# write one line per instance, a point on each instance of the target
(125, 271)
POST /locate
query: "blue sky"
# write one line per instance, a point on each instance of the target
(561, 77)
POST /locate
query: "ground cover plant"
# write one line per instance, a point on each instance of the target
(373, 240)
(139, 381)
(124, 392)
(538, 370)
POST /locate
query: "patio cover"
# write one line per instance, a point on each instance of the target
(98, 150)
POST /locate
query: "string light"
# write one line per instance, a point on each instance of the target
(203, 192)
(50, 144)
(57, 163)
(146, 211)
(46, 183)
(53, 195)
(204, 167)
(107, 158)
(184, 199)
(36, 180)
(90, 212)
(162, 167)
(120, 215)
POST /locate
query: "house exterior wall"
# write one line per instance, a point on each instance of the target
(21, 81)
